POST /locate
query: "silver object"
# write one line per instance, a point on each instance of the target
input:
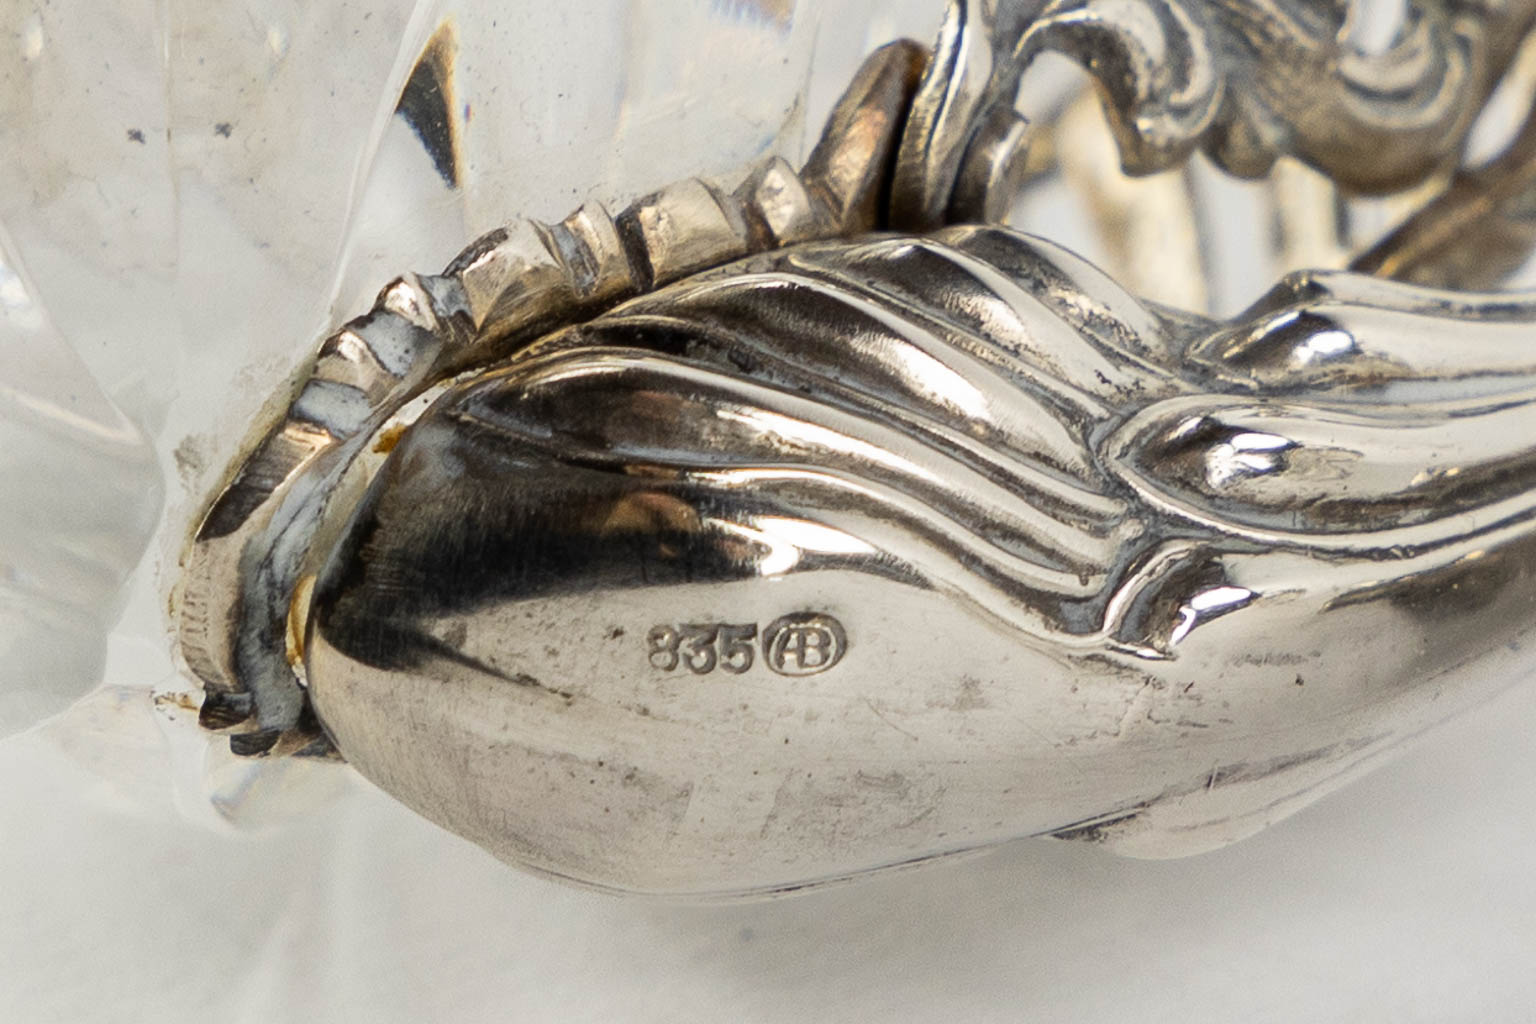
(744, 549)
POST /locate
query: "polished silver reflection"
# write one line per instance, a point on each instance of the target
(751, 549)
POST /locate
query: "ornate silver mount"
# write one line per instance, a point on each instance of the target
(773, 535)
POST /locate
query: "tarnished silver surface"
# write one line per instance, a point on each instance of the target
(750, 550)
(504, 290)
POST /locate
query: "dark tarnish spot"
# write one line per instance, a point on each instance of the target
(970, 696)
(533, 683)
(426, 104)
(320, 748)
(253, 744)
(225, 710)
(223, 129)
(1097, 831)
(135, 135)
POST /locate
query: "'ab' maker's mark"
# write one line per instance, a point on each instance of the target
(798, 644)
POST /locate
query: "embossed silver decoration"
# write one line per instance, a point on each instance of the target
(750, 545)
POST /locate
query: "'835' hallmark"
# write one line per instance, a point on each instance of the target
(798, 644)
